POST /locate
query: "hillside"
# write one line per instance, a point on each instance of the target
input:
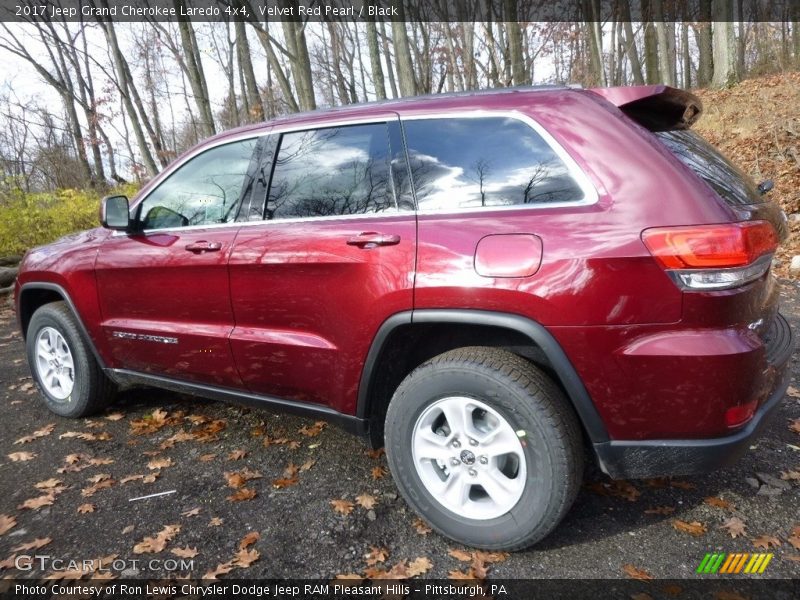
(757, 124)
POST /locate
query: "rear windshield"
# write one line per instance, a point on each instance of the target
(731, 183)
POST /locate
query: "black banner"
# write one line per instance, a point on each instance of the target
(398, 10)
(497, 589)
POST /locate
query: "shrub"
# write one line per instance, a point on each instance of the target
(28, 220)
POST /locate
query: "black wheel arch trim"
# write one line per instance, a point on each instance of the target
(54, 287)
(536, 332)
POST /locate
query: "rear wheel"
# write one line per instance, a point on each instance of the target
(64, 369)
(484, 446)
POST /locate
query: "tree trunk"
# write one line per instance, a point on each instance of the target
(724, 46)
(295, 37)
(705, 46)
(686, 55)
(402, 53)
(519, 75)
(256, 106)
(630, 43)
(375, 60)
(662, 36)
(595, 39)
(125, 86)
(195, 74)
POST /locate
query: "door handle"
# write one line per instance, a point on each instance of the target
(372, 239)
(204, 246)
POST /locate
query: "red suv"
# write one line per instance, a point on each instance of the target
(493, 285)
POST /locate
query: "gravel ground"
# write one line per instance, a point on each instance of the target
(614, 530)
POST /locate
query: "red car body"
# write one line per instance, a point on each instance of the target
(301, 315)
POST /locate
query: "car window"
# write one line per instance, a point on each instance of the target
(724, 177)
(332, 171)
(205, 190)
(461, 163)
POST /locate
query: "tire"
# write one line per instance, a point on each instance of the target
(73, 385)
(496, 401)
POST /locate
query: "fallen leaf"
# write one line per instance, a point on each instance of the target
(719, 503)
(308, 464)
(157, 543)
(376, 555)
(39, 433)
(790, 475)
(115, 416)
(461, 555)
(34, 545)
(159, 463)
(349, 577)
(729, 595)
(795, 426)
(250, 539)
(220, 569)
(215, 522)
(21, 456)
(694, 528)
(244, 558)
(366, 501)
(735, 526)
(127, 529)
(766, 541)
(660, 510)
(242, 494)
(237, 455)
(378, 472)
(641, 596)
(636, 573)
(38, 502)
(376, 454)
(86, 508)
(191, 513)
(343, 507)
(462, 575)
(7, 523)
(99, 477)
(793, 392)
(794, 540)
(207, 457)
(48, 484)
(491, 557)
(184, 552)
(421, 527)
(285, 482)
(314, 430)
(419, 566)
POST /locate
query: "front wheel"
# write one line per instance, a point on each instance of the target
(62, 364)
(484, 446)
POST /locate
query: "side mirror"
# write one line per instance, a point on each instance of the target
(115, 213)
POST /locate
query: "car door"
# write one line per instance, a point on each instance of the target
(332, 259)
(163, 287)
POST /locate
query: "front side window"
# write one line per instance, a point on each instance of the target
(333, 171)
(459, 163)
(205, 190)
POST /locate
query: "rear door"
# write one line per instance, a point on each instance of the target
(332, 259)
(164, 290)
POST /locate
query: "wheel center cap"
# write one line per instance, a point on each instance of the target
(467, 457)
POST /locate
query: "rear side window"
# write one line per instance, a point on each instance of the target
(730, 182)
(333, 171)
(459, 163)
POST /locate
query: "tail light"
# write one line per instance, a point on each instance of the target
(713, 257)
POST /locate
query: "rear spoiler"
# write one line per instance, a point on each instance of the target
(656, 107)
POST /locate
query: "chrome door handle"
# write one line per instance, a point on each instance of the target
(372, 239)
(204, 246)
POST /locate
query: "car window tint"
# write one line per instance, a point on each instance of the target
(334, 171)
(730, 182)
(461, 163)
(205, 190)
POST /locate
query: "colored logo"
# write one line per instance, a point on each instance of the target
(734, 563)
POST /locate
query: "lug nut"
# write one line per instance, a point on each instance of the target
(473, 472)
(483, 460)
(456, 444)
(473, 442)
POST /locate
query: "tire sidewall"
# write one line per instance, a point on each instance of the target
(532, 509)
(75, 404)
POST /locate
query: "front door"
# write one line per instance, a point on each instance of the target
(164, 290)
(333, 258)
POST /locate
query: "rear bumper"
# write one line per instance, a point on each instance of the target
(661, 458)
